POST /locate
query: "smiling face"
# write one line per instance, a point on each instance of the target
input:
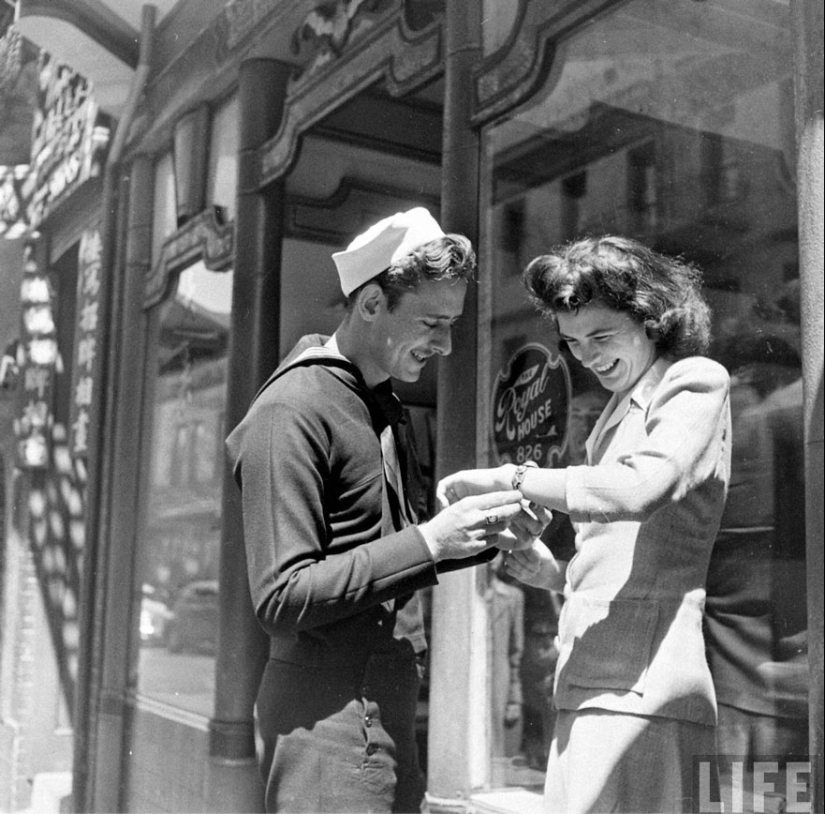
(403, 340)
(610, 343)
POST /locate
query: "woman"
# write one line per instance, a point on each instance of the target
(634, 693)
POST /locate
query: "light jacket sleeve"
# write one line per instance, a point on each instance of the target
(683, 431)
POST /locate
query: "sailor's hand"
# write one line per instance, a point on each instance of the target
(471, 524)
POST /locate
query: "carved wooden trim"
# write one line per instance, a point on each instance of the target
(203, 237)
(382, 47)
(243, 17)
(521, 66)
(331, 26)
(309, 218)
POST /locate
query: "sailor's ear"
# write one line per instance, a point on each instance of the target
(370, 300)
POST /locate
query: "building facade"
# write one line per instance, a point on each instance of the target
(245, 142)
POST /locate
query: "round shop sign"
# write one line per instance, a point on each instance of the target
(531, 401)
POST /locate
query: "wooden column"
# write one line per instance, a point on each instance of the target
(457, 731)
(98, 723)
(191, 156)
(807, 22)
(126, 392)
(253, 354)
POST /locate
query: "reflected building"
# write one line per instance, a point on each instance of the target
(252, 141)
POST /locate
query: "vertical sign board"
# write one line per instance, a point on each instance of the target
(69, 138)
(12, 207)
(36, 360)
(531, 406)
(86, 343)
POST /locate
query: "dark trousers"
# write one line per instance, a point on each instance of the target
(340, 739)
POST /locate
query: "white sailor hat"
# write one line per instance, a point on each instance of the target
(384, 244)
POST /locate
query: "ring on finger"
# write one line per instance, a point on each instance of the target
(491, 518)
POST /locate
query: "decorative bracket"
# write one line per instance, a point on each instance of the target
(204, 237)
(358, 44)
(513, 73)
(330, 26)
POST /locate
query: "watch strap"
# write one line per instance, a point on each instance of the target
(521, 471)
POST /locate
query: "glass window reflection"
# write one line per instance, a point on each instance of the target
(672, 123)
(164, 221)
(223, 159)
(181, 531)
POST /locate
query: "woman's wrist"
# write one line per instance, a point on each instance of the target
(504, 480)
(520, 473)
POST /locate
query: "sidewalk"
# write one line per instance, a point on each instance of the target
(51, 793)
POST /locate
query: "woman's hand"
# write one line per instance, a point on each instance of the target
(525, 527)
(536, 566)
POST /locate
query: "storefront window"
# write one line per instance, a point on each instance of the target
(180, 536)
(670, 122)
(499, 19)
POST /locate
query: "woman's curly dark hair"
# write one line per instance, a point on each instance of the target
(659, 292)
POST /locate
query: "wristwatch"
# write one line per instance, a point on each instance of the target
(521, 471)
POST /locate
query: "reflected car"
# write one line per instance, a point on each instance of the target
(154, 617)
(194, 623)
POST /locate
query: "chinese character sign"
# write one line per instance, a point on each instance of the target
(69, 138)
(37, 355)
(87, 343)
(531, 403)
(12, 206)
